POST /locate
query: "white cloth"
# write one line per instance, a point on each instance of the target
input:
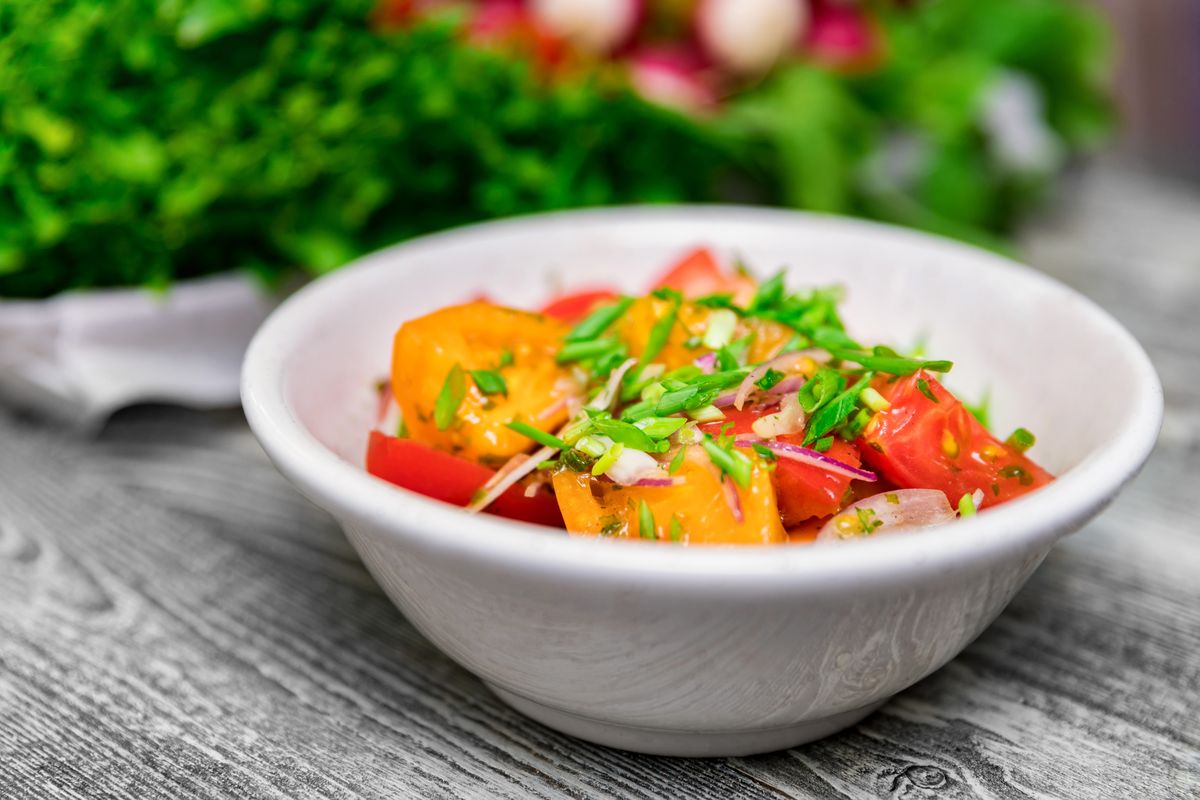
(81, 356)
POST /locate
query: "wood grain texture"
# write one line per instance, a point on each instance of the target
(177, 622)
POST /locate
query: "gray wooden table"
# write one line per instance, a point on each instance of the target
(176, 622)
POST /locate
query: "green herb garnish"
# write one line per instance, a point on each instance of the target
(1020, 473)
(596, 348)
(677, 462)
(605, 462)
(923, 388)
(676, 529)
(770, 378)
(824, 385)
(823, 444)
(454, 389)
(660, 427)
(966, 506)
(866, 520)
(836, 411)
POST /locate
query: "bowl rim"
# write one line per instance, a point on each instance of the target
(348, 490)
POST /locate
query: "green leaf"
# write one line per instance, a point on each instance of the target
(454, 389)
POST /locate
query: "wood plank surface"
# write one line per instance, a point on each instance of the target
(177, 622)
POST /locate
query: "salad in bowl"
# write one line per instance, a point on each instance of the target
(713, 409)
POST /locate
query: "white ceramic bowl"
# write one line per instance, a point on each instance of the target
(706, 651)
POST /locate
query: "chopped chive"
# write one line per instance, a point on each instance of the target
(577, 351)
(677, 462)
(605, 462)
(923, 388)
(892, 498)
(454, 389)
(823, 444)
(489, 381)
(653, 392)
(646, 408)
(646, 521)
(966, 506)
(598, 321)
(1021, 440)
(676, 529)
(721, 324)
(733, 463)
(660, 427)
(539, 436)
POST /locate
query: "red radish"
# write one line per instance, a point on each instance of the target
(748, 36)
(595, 26)
(672, 77)
(840, 35)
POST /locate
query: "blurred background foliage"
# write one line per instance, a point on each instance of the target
(144, 141)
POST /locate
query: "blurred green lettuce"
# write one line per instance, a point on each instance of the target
(144, 141)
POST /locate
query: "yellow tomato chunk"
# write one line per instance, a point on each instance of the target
(703, 516)
(477, 336)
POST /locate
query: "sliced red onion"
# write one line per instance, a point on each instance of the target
(533, 488)
(748, 36)
(675, 77)
(804, 455)
(513, 470)
(552, 409)
(889, 512)
(784, 363)
(596, 26)
(659, 482)
(608, 394)
(785, 386)
(706, 362)
(788, 420)
(731, 497)
(977, 497)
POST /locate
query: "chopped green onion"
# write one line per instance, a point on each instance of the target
(732, 355)
(866, 520)
(874, 400)
(653, 392)
(577, 351)
(628, 435)
(923, 388)
(764, 452)
(769, 379)
(660, 333)
(823, 444)
(489, 382)
(836, 411)
(720, 328)
(721, 300)
(892, 498)
(402, 430)
(692, 342)
(591, 446)
(706, 414)
(646, 522)
(769, 294)
(1021, 440)
(549, 463)
(825, 385)
(676, 529)
(733, 463)
(660, 427)
(684, 373)
(454, 389)
(645, 408)
(796, 343)
(966, 506)
(857, 424)
(576, 460)
(539, 436)
(598, 321)
(887, 363)
(605, 461)
(677, 461)
(506, 358)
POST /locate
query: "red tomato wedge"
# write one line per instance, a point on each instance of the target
(694, 275)
(802, 491)
(452, 479)
(575, 306)
(920, 443)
